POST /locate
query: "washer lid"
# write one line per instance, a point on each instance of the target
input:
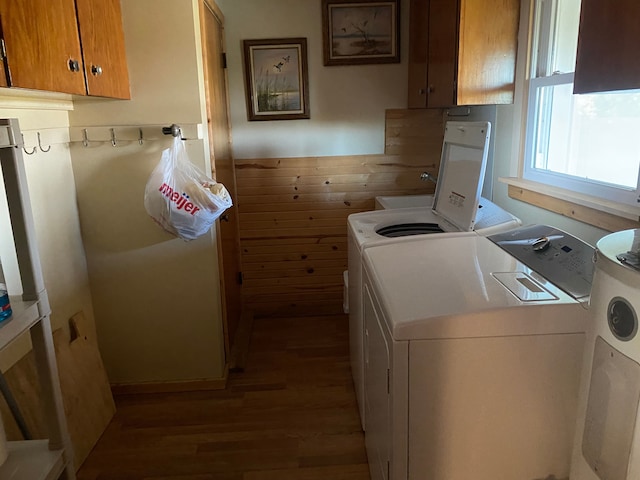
(462, 167)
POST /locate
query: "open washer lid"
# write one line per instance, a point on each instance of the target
(462, 167)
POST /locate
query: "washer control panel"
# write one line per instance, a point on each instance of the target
(561, 258)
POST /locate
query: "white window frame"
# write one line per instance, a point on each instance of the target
(540, 76)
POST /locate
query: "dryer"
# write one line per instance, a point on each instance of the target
(456, 210)
(472, 358)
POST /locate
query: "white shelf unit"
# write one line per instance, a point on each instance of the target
(32, 459)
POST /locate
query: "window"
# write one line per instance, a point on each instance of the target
(584, 143)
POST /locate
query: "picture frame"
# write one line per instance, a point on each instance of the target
(357, 32)
(277, 79)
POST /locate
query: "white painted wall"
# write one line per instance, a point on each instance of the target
(347, 103)
(52, 192)
(157, 298)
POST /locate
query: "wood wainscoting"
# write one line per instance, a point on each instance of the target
(293, 213)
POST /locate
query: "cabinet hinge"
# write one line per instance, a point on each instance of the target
(224, 60)
(240, 278)
(3, 53)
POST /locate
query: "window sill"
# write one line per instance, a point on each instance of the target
(603, 214)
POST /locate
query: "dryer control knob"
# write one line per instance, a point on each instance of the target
(541, 244)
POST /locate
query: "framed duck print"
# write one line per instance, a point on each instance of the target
(358, 32)
(277, 79)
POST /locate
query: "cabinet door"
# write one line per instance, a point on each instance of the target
(41, 39)
(418, 43)
(103, 48)
(608, 45)
(487, 51)
(443, 53)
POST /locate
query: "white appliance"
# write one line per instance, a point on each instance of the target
(607, 441)
(403, 201)
(472, 358)
(488, 215)
(455, 210)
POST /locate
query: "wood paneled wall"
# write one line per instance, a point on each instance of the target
(293, 213)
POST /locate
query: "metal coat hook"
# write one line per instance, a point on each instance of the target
(113, 137)
(173, 130)
(85, 138)
(40, 145)
(25, 148)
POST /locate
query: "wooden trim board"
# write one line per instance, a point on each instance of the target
(240, 347)
(591, 216)
(171, 387)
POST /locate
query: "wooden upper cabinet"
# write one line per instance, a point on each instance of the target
(44, 47)
(105, 63)
(608, 46)
(462, 52)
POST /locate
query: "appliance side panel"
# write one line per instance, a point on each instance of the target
(472, 399)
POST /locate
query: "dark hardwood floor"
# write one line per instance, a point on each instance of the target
(291, 414)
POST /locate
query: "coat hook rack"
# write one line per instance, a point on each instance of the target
(122, 135)
(25, 148)
(40, 145)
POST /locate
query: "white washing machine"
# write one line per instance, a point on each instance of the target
(403, 201)
(472, 357)
(607, 441)
(488, 215)
(456, 210)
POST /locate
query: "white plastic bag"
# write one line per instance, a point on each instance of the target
(181, 198)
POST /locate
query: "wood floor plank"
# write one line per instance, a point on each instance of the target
(333, 472)
(291, 414)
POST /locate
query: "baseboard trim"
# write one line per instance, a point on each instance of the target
(171, 387)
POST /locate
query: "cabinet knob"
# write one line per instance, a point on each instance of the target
(96, 70)
(224, 218)
(430, 89)
(422, 91)
(74, 65)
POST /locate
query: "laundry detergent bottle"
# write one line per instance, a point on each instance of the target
(5, 305)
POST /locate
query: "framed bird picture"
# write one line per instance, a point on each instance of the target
(277, 79)
(357, 32)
